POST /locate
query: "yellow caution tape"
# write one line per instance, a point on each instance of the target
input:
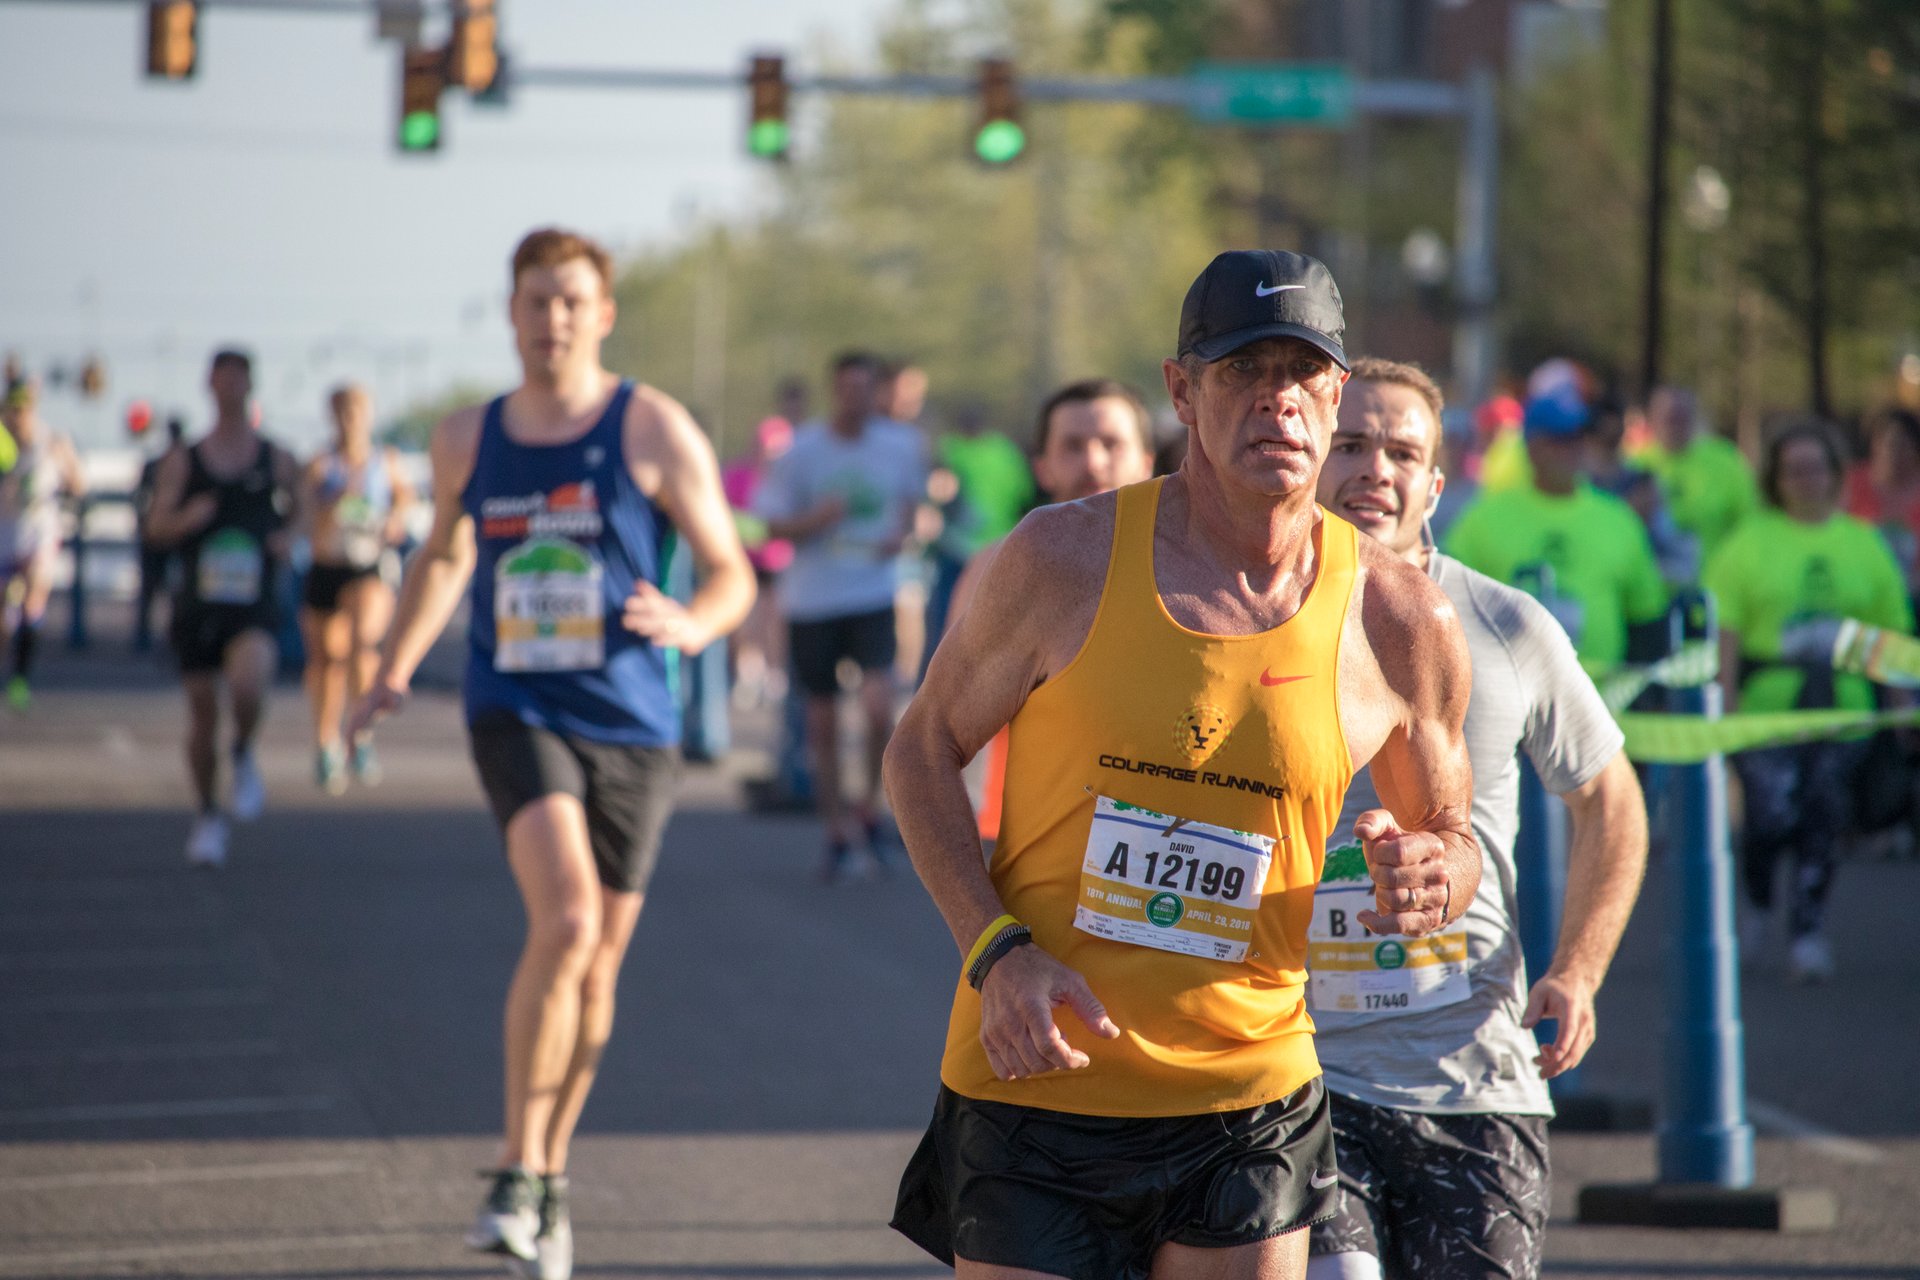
(1677, 739)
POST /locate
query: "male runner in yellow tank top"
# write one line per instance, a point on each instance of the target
(1192, 670)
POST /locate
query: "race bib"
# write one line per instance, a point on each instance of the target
(548, 610)
(229, 568)
(361, 530)
(1169, 883)
(1352, 971)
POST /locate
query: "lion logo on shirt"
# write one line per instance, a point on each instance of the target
(1200, 731)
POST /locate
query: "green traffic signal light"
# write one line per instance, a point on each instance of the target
(768, 138)
(420, 131)
(999, 141)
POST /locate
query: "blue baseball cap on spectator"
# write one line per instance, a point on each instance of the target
(1561, 412)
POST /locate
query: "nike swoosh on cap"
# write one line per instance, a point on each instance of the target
(1322, 1181)
(1261, 291)
(1268, 679)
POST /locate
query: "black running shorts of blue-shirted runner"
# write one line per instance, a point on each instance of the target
(627, 791)
(1093, 1197)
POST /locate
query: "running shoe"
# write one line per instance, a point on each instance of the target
(509, 1220)
(554, 1244)
(330, 770)
(207, 842)
(249, 788)
(19, 696)
(366, 765)
(1810, 960)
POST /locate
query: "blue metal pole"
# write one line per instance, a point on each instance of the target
(1704, 1136)
(77, 595)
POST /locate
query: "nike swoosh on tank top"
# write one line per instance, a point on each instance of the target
(1149, 723)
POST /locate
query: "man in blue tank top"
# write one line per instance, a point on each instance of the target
(562, 502)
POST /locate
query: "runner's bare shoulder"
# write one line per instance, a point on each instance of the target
(455, 444)
(1044, 582)
(659, 433)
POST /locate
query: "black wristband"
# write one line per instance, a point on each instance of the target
(1014, 935)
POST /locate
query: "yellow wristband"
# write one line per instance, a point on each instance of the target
(986, 936)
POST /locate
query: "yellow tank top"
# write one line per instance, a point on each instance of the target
(1149, 725)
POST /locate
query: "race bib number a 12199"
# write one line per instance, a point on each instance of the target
(1158, 881)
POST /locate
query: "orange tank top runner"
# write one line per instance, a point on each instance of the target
(1168, 798)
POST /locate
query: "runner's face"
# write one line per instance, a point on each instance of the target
(353, 418)
(1380, 467)
(231, 385)
(1808, 485)
(853, 393)
(1262, 416)
(560, 315)
(1093, 446)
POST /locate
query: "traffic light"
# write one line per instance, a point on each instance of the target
(173, 45)
(473, 55)
(423, 77)
(767, 135)
(999, 139)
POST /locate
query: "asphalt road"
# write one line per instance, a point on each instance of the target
(290, 1067)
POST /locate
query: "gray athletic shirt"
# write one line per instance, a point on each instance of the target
(1471, 1055)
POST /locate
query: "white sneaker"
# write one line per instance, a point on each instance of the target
(1811, 959)
(207, 843)
(249, 788)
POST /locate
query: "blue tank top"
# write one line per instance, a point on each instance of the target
(562, 534)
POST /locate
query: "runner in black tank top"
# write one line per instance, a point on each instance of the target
(226, 504)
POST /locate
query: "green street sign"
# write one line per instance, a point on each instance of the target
(1253, 92)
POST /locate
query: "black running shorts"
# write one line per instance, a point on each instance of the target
(1092, 1197)
(1445, 1195)
(816, 648)
(325, 582)
(626, 791)
(200, 633)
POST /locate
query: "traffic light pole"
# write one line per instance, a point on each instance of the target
(1475, 104)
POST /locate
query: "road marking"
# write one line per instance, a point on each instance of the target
(184, 1109)
(127, 958)
(116, 1003)
(142, 1053)
(1780, 1121)
(166, 1177)
(144, 1253)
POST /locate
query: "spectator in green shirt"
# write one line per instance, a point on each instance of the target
(1707, 482)
(1784, 580)
(1603, 574)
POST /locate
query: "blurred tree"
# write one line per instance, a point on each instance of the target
(413, 425)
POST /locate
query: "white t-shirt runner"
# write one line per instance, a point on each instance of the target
(1433, 1024)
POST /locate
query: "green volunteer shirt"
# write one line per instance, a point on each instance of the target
(1604, 573)
(994, 481)
(1774, 574)
(1708, 486)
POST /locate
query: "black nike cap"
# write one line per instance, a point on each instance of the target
(1245, 295)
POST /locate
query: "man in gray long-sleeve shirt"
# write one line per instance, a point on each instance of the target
(1439, 1090)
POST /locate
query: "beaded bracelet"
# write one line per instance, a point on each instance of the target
(996, 950)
